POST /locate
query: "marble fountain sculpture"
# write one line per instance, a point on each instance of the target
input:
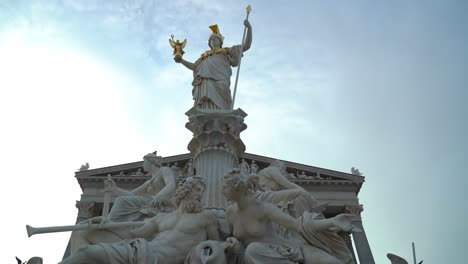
(222, 210)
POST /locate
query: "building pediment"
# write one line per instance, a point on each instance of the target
(304, 175)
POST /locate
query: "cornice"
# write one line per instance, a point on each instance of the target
(128, 166)
(126, 173)
(304, 167)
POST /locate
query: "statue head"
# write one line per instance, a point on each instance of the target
(236, 184)
(215, 42)
(189, 194)
(267, 176)
(216, 39)
(151, 159)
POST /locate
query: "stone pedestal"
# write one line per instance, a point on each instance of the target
(360, 239)
(215, 147)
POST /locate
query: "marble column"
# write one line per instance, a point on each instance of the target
(360, 239)
(215, 147)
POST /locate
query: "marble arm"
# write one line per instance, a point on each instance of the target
(140, 190)
(341, 222)
(283, 182)
(248, 38)
(169, 188)
(229, 216)
(116, 190)
(281, 218)
(187, 64)
(147, 230)
(212, 226)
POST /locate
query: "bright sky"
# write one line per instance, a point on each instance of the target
(379, 85)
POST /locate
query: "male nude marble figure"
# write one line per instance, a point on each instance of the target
(176, 233)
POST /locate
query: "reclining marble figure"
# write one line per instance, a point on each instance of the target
(252, 224)
(176, 233)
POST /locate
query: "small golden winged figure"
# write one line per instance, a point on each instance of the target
(178, 48)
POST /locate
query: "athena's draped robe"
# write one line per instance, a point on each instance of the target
(211, 79)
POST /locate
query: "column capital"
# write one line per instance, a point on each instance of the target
(216, 129)
(85, 209)
(354, 209)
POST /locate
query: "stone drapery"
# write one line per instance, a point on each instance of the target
(211, 79)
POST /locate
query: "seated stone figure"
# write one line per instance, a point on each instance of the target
(275, 188)
(252, 223)
(176, 232)
(152, 197)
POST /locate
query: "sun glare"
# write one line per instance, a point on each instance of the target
(54, 101)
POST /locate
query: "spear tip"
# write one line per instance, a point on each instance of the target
(249, 8)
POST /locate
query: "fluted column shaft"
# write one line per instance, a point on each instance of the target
(360, 239)
(362, 245)
(212, 165)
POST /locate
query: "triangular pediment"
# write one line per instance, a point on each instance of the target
(296, 172)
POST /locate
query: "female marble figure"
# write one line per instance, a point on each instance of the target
(252, 223)
(253, 167)
(152, 197)
(275, 188)
(212, 71)
(244, 167)
(155, 195)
